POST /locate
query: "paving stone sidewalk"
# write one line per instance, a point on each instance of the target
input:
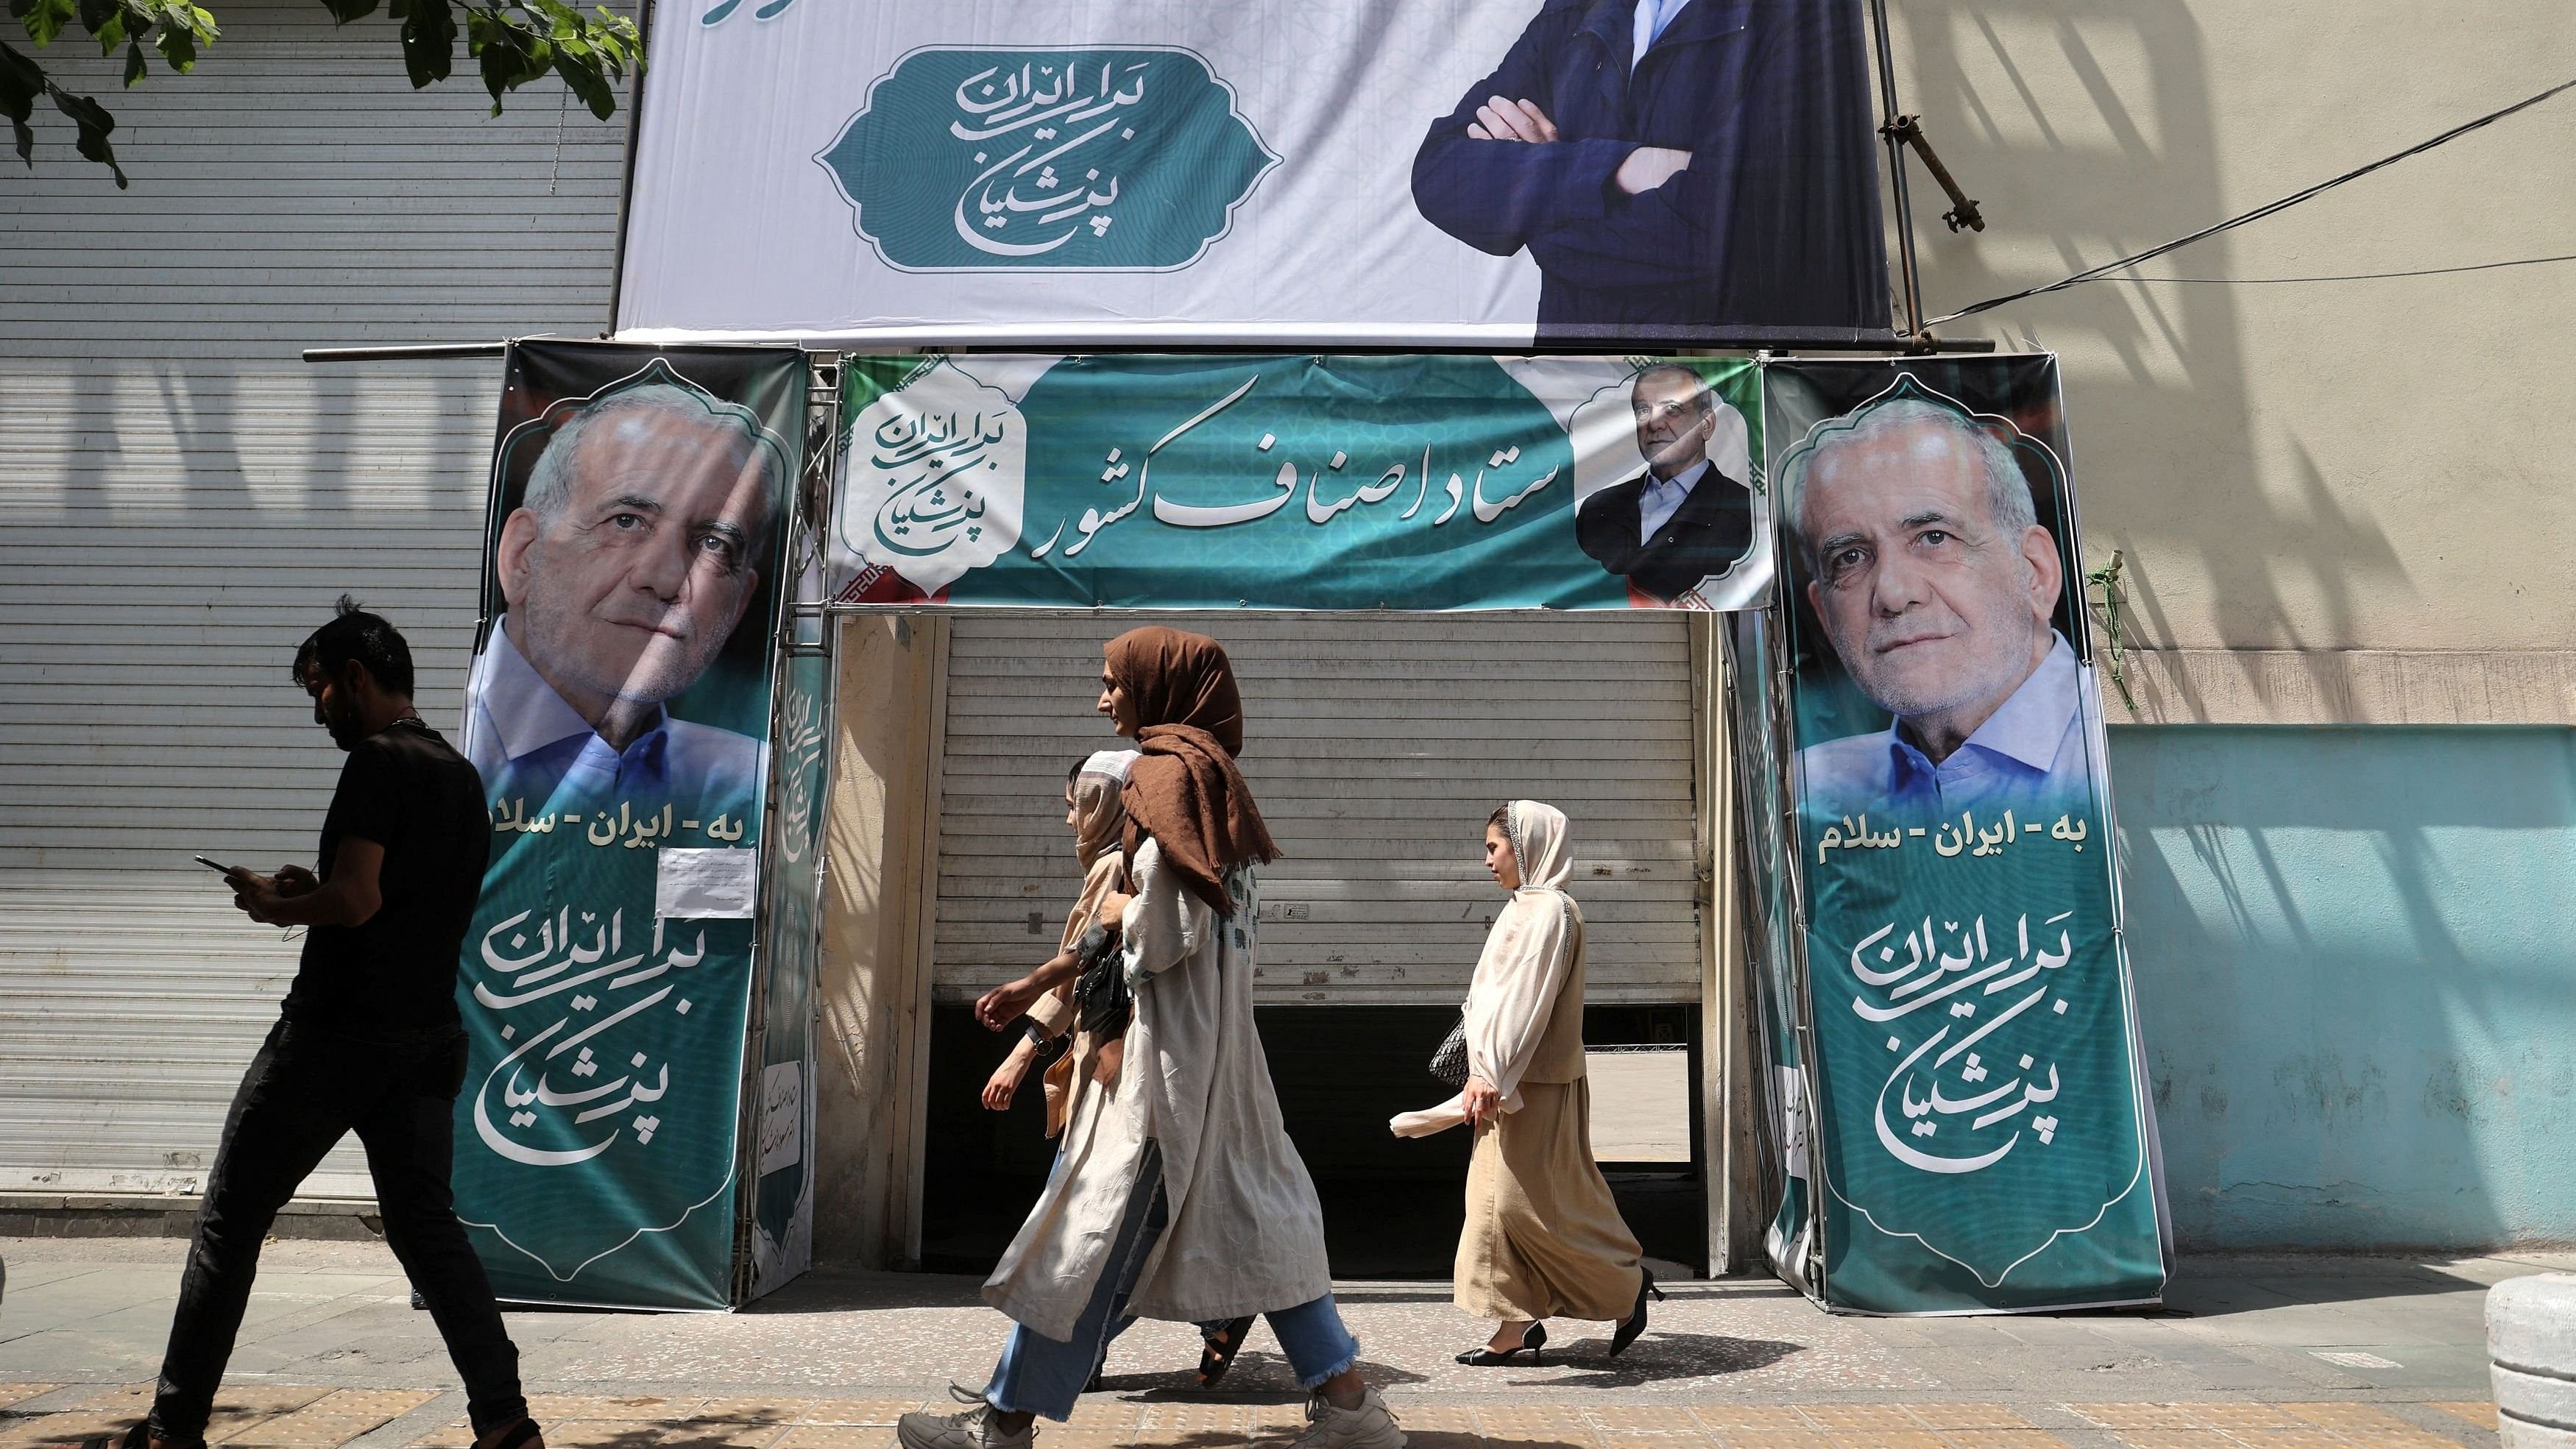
(2260, 1352)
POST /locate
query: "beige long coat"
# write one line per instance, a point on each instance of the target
(1247, 1233)
(1543, 1235)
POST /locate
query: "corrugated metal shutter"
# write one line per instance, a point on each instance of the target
(184, 498)
(1377, 746)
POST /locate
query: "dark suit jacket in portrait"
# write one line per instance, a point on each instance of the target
(1775, 224)
(1711, 530)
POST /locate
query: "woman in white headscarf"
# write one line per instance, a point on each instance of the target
(1544, 1238)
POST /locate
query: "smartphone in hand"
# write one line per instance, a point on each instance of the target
(217, 867)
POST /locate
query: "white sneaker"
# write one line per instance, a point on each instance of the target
(1370, 1426)
(973, 1429)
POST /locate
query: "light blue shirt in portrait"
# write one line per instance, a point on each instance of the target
(1661, 498)
(2030, 756)
(1652, 17)
(530, 745)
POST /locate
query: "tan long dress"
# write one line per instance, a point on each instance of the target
(1543, 1237)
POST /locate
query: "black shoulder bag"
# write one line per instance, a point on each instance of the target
(1449, 1063)
(1102, 1002)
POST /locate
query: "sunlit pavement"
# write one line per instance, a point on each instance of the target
(2258, 1351)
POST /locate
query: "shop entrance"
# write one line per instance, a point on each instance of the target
(1377, 745)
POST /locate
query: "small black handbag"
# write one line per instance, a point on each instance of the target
(1449, 1063)
(1102, 1002)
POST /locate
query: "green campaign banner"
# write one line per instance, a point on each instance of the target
(619, 710)
(782, 1158)
(1302, 482)
(1982, 1136)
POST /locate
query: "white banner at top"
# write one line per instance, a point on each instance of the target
(1480, 173)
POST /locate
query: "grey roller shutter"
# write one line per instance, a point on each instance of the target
(184, 498)
(1377, 746)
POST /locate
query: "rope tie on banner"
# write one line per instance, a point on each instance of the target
(2095, 274)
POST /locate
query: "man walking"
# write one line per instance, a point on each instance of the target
(369, 1040)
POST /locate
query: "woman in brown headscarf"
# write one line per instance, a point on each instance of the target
(1177, 1194)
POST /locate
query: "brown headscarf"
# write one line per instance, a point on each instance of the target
(1184, 790)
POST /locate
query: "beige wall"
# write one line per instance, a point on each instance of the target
(2340, 500)
(870, 1041)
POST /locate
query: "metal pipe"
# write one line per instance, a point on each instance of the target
(1789, 345)
(1896, 171)
(626, 175)
(423, 353)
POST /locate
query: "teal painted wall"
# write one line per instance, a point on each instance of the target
(2355, 953)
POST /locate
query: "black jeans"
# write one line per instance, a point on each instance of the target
(303, 1091)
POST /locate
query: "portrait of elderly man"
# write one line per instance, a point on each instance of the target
(1679, 520)
(627, 565)
(1937, 586)
(1672, 166)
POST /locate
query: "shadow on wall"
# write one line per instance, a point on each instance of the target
(2358, 994)
(2089, 130)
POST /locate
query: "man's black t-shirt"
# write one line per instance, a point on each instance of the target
(408, 790)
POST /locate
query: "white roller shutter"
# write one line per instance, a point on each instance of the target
(183, 498)
(1377, 745)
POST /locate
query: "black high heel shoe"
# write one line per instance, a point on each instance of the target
(1533, 1340)
(1636, 1323)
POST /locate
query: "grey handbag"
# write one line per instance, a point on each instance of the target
(1449, 1063)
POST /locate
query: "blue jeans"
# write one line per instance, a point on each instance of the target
(1044, 1376)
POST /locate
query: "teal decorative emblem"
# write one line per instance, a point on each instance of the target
(997, 158)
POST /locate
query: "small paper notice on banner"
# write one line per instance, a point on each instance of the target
(782, 1115)
(719, 884)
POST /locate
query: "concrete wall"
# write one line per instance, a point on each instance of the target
(2353, 960)
(2306, 477)
(875, 987)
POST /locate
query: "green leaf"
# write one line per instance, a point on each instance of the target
(587, 82)
(111, 34)
(512, 55)
(21, 80)
(94, 123)
(344, 11)
(428, 41)
(46, 19)
(133, 63)
(177, 46)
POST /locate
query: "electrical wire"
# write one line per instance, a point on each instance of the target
(2348, 276)
(2095, 274)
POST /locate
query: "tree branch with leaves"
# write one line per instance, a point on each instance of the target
(512, 41)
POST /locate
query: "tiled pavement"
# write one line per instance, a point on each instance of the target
(2254, 1352)
(281, 1417)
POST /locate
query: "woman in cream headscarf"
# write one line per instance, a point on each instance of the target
(1177, 1194)
(1543, 1238)
(1095, 813)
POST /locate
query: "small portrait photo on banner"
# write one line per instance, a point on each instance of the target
(1927, 549)
(627, 559)
(1686, 516)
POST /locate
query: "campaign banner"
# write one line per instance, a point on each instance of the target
(1480, 173)
(1302, 482)
(782, 1150)
(619, 712)
(1983, 1137)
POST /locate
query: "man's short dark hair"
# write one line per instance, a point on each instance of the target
(370, 639)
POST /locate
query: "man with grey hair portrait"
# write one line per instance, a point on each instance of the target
(1679, 520)
(625, 568)
(1938, 587)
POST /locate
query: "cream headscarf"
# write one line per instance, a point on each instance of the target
(1527, 957)
(1099, 817)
